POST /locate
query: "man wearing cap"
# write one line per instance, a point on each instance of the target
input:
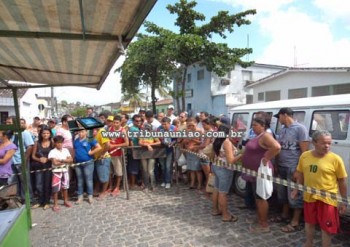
(294, 140)
(170, 113)
(52, 126)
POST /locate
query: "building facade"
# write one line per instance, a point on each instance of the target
(206, 91)
(293, 83)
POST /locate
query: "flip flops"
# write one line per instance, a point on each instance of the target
(216, 213)
(56, 209)
(232, 219)
(290, 228)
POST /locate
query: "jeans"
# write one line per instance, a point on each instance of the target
(85, 174)
(148, 171)
(167, 167)
(103, 169)
(249, 197)
(43, 184)
(17, 168)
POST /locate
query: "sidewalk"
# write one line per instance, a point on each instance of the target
(163, 218)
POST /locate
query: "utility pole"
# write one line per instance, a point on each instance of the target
(52, 103)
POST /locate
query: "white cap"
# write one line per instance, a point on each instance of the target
(171, 107)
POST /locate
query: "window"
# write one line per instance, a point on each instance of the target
(239, 121)
(273, 95)
(249, 99)
(320, 91)
(341, 89)
(200, 74)
(247, 75)
(336, 122)
(189, 77)
(229, 74)
(297, 93)
(331, 90)
(261, 96)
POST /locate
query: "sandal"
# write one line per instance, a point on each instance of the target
(290, 228)
(279, 219)
(67, 204)
(56, 209)
(259, 229)
(232, 219)
(216, 213)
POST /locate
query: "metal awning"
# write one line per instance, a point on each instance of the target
(66, 42)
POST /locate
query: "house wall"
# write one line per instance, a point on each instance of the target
(209, 93)
(295, 80)
(29, 106)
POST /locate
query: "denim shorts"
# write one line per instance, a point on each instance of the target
(103, 168)
(283, 192)
(223, 179)
(193, 162)
(204, 162)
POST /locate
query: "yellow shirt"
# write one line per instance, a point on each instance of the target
(102, 141)
(321, 173)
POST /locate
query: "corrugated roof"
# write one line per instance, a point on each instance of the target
(7, 93)
(63, 43)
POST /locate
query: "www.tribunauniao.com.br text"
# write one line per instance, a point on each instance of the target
(171, 134)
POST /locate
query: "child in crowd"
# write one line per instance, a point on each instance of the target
(84, 151)
(60, 158)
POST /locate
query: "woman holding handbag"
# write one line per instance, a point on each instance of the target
(262, 148)
(224, 152)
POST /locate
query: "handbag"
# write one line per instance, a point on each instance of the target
(182, 160)
(211, 183)
(264, 187)
(209, 151)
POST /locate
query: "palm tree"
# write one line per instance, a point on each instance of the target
(135, 99)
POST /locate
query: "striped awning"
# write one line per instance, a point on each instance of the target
(66, 42)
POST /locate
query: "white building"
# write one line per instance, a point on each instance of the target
(292, 83)
(206, 91)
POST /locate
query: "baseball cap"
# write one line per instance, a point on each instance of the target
(224, 120)
(284, 110)
(110, 118)
(171, 107)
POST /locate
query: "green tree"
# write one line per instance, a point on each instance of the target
(147, 64)
(79, 111)
(193, 45)
(64, 103)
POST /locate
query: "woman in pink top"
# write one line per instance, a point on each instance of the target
(261, 148)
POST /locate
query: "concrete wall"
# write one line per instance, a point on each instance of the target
(305, 79)
(209, 93)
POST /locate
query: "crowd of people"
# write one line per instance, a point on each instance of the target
(101, 160)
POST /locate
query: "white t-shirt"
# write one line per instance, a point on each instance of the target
(59, 155)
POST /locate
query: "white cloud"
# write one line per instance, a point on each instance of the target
(297, 39)
(302, 37)
(335, 10)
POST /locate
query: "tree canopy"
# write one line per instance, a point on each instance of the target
(152, 59)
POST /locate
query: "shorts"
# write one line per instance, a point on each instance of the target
(133, 165)
(193, 162)
(204, 162)
(103, 168)
(325, 215)
(253, 187)
(223, 179)
(60, 180)
(117, 165)
(283, 192)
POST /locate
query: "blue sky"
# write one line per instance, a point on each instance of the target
(301, 33)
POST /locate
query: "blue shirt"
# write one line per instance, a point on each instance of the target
(82, 148)
(27, 141)
(167, 140)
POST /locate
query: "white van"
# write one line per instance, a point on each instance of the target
(316, 113)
